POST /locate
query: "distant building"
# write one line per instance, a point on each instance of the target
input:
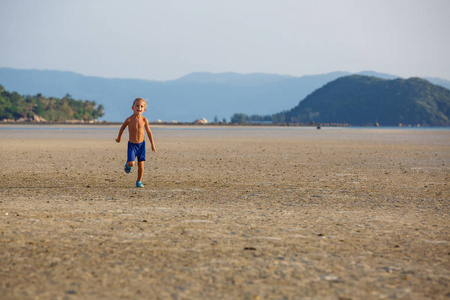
(201, 121)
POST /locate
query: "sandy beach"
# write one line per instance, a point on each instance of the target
(226, 213)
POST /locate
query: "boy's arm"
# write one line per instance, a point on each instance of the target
(121, 130)
(150, 135)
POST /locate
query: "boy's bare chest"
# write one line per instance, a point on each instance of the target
(137, 123)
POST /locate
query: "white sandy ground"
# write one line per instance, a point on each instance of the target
(226, 213)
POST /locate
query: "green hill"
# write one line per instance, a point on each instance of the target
(14, 106)
(361, 100)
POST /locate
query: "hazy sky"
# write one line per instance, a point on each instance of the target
(167, 39)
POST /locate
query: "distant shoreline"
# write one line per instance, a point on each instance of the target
(209, 126)
(219, 124)
(173, 123)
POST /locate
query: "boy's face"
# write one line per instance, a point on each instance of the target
(139, 107)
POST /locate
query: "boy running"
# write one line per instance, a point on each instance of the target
(137, 125)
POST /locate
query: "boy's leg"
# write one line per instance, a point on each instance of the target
(140, 170)
(141, 160)
(131, 156)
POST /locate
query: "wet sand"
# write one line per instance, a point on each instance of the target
(253, 213)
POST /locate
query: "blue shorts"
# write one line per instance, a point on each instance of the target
(136, 150)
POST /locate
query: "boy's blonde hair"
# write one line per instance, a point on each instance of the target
(140, 99)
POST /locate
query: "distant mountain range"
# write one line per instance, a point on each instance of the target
(362, 100)
(194, 96)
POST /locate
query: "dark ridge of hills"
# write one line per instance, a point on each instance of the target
(358, 100)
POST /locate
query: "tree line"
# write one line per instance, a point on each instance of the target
(14, 106)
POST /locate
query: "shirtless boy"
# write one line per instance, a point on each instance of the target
(137, 125)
